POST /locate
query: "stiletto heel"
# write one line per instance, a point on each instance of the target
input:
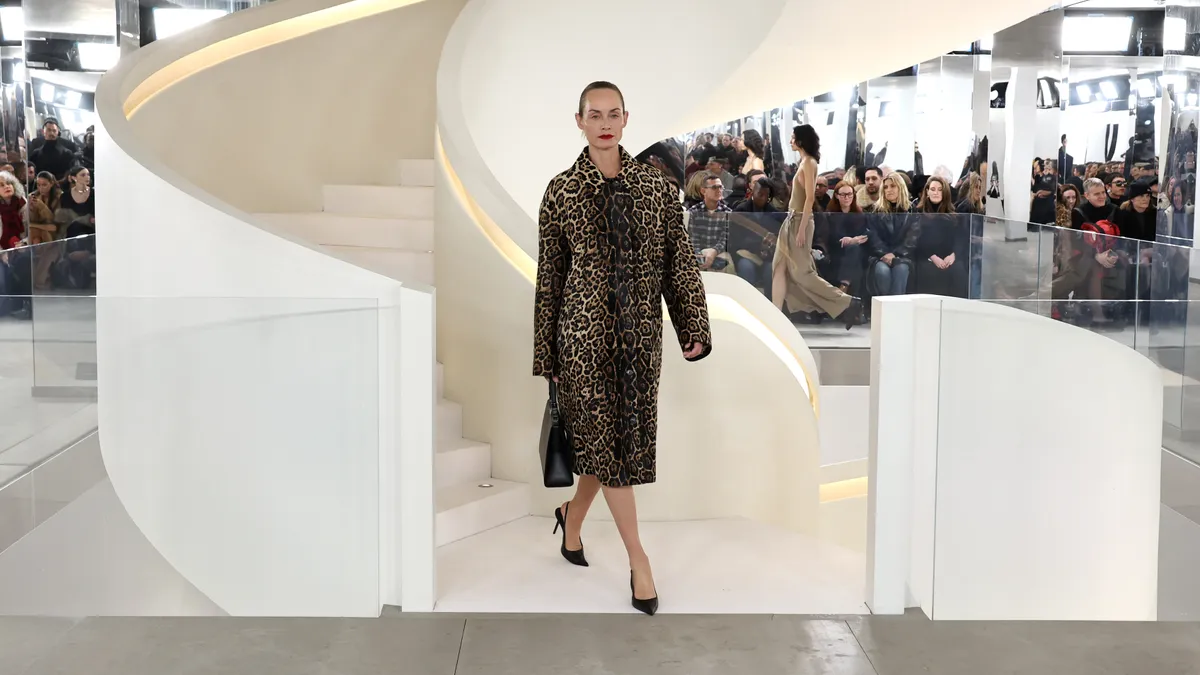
(648, 606)
(573, 557)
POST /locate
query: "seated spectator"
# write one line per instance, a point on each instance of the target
(942, 242)
(12, 211)
(753, 233)
(1137, 218)
(78, 207)
(693, 193)
(1115, 184)
(970, 195)
(847, 225)
(821, 201)
(868, 192)
(708, 225)
(1096, 254)
(892, 236)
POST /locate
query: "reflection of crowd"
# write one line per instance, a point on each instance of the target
(48, 211)
(872, 231)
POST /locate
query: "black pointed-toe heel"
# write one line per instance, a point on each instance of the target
(649, 606)
(573, 557)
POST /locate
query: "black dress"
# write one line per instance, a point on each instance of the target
(941, 235)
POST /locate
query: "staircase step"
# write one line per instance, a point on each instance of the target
(467, 509)
(334, 229)
(416, 172)
(379, 201)
(462, 461)
(449, 420)
(411, 266)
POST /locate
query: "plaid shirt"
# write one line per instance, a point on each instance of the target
(709, 230)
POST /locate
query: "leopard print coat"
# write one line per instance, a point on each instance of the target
(609, 252)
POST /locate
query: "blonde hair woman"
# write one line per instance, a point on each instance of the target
(794, 278)
(893, 237)
(695, 186)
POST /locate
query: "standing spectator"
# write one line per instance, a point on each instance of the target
(755, 152)
(54, 155)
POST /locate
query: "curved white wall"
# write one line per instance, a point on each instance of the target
(1007, 483)
(505, 105)
(337, 106)
(250, 389)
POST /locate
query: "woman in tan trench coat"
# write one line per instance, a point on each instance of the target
(612, 246)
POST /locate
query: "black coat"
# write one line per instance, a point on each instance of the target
(895, 233)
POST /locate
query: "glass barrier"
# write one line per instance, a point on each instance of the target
(49, 367)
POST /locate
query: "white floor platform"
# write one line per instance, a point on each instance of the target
(729, 566)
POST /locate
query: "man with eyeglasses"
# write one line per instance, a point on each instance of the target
(708, 225)
(1115, 184)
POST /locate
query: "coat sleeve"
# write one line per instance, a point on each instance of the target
(906, 247)
(682, 287)
(553, 264)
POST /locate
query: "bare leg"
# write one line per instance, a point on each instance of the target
(624, 510)
(778, 285)
(577, 509)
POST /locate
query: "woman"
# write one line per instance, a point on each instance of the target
(970, 195)
(942, 242)
(891, 238)
(847, 226)
(79, 204)
(692, 195)
(12, 210)
(794, 277)
(612, 247)
(754, 151)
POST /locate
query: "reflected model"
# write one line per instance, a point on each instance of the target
(611, 247)
(795, 280)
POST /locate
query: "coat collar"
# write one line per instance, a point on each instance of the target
(592, 175)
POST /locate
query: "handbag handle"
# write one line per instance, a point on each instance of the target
(554, 401)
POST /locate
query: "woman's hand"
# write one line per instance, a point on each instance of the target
(888, 258)
(1106, 260)
(848, 241)
(553, 378)
(693, 349)
(949, 260)
(937, 262)
(798, 240)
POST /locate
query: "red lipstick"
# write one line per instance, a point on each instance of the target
(606, 137)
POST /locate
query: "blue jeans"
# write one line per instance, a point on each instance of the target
(891, 280)
(759, 276)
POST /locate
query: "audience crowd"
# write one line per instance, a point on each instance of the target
(48, 212)
(884, 232)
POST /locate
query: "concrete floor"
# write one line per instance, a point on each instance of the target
(561, 645)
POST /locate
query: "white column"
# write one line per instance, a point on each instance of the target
(1020, 123)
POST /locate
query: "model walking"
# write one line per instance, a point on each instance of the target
(794, 278)
(611, 247)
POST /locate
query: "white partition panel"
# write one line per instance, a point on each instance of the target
(1015, 466)
(250, 385)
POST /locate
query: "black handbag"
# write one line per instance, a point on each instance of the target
(558, 459)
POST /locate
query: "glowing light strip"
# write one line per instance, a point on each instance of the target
(843, 489)
(250, 41)
(721, 307)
